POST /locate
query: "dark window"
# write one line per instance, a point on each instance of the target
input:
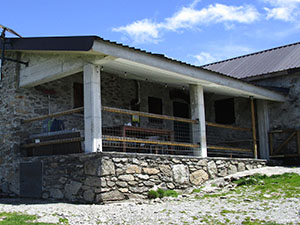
(224, 111)
(155, 106)
(78, 95)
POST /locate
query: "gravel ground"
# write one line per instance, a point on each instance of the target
(187, 209)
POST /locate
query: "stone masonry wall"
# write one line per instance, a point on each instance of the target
(285, 115)
(103, 177)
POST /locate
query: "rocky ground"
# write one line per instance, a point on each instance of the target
(188, 208)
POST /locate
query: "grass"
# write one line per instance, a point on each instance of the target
(160, 193)
(262, 187)
(13, 218)
(276, 186)
(18, 219)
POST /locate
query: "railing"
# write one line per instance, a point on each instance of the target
(284, 143)
(135, 131)
(228, 147)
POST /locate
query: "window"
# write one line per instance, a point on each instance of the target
(224, 111)
(77, 95)
(155, 106)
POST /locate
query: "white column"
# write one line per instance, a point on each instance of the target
(263, 128)
(92, 108)
(198, 112)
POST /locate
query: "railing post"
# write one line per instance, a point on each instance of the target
(253, 127)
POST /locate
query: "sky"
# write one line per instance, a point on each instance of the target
(195, 31)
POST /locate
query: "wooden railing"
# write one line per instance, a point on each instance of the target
(164, 117)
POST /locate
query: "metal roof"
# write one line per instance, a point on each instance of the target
(260, 63)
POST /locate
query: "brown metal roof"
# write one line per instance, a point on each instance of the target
(260, 63)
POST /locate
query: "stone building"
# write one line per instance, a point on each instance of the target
(275, 69)
(135, 112)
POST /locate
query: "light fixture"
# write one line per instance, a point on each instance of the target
(125, 74)
(166, 85)
(101, 68)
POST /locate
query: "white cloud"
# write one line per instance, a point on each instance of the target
(286, 10)
(216, 53)
(190, 18)
(204, 58)
(141, 31)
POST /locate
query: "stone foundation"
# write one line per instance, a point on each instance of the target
(103, 177)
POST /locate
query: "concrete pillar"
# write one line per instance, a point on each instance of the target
(92, 108)
(263, 128)
(198, 112)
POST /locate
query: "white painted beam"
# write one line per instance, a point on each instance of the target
(134, 57)
(55, 66)
(92, 108)
(198, 112)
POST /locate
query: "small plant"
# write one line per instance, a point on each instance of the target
(171, 193)
(153, 194)
(160, 193)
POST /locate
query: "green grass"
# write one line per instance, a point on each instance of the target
(262, 187)
(18, 219)
(160, 193)
(276, 186)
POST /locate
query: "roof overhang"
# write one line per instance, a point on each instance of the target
(137, 64)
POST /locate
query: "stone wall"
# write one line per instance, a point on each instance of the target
(284, 115)
(102, 177)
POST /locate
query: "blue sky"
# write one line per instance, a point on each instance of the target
(196, 31)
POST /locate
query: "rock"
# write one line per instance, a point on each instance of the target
(249, 167)
(126, 177)
(166, 170)
(198, 177)
(107, 167)
(91, 167)
(202, 162)
(149, 183)
(94, 181)
(110, 183)
(170, 186)
(150, 171)
(72, 188)
(222, 172)
(241, 166)
(133, 169)
(180, 174)
(121, 184)
(138, 189)
(63, 180)
(232, 169)
(124, 190)
(142, 176)
(111, 196)
(132, 183)
(56, 194)
(88, 196)
(212, 169)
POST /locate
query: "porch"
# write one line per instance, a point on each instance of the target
(140, 116)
